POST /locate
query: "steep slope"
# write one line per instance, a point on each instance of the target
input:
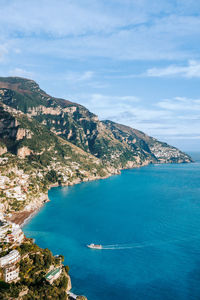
(159, 151)
(116, 145)
(33, 158)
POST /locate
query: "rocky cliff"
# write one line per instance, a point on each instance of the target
(46, 140)
(115, 144)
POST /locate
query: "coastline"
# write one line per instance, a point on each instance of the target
(23, 217)
(28, 218)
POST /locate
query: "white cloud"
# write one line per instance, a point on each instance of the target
(132, 30)
(180, 104)
(191, 70)
(128, 110)
(81, 79)
(21, 73)
(65, 17)
(58, 19)
(74, 77)
(106, 106)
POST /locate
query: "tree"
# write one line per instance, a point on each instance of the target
(63, 282)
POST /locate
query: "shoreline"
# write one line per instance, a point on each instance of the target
(23, 217)
(32, 214)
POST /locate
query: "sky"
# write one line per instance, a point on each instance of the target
(136, 62)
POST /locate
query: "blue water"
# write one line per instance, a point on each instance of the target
(148, 220)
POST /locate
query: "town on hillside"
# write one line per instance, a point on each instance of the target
(24, 266)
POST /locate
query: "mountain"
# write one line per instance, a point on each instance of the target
(48, 141)
(114, 143)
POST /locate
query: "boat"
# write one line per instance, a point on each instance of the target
(93, 246)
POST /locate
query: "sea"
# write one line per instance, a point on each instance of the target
(148, 223)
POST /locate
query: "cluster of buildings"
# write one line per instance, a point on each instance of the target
(15, 188)
(10, 233)
(9, 265)
(164, 153)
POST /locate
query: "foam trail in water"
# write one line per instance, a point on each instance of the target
(142, 245)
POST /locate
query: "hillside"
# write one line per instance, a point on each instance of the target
(33, 158)
(46, 140)
(116, 145)
(140, 142)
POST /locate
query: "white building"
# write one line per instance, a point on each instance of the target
(4, 227)
(10, 258)
(15, 235)
(11, 273)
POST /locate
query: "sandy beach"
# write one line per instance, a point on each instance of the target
(23, 217)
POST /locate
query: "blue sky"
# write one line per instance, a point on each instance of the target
(134, 62)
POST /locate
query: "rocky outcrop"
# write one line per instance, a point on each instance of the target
(34, 111)
(23, 152)
(22, 133)
(69, 283)
(81, 298)
(3, 149)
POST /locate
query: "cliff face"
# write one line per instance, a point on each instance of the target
(116, 145)
(33, 158)
(47, 141)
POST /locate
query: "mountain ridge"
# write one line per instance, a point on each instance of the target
(75, 123)
(53, 141)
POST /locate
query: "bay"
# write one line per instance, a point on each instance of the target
(148, 221)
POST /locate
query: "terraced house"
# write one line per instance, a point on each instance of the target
(11, 273)
(11, 258)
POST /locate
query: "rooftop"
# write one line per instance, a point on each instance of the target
(52, 273)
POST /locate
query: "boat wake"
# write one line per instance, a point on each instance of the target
(123, 246)
(147, 244)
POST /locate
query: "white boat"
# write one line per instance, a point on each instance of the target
(93, 246)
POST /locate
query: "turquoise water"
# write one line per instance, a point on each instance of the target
(148, 221)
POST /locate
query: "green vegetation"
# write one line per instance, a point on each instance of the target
(81, 298)
(34, 265)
